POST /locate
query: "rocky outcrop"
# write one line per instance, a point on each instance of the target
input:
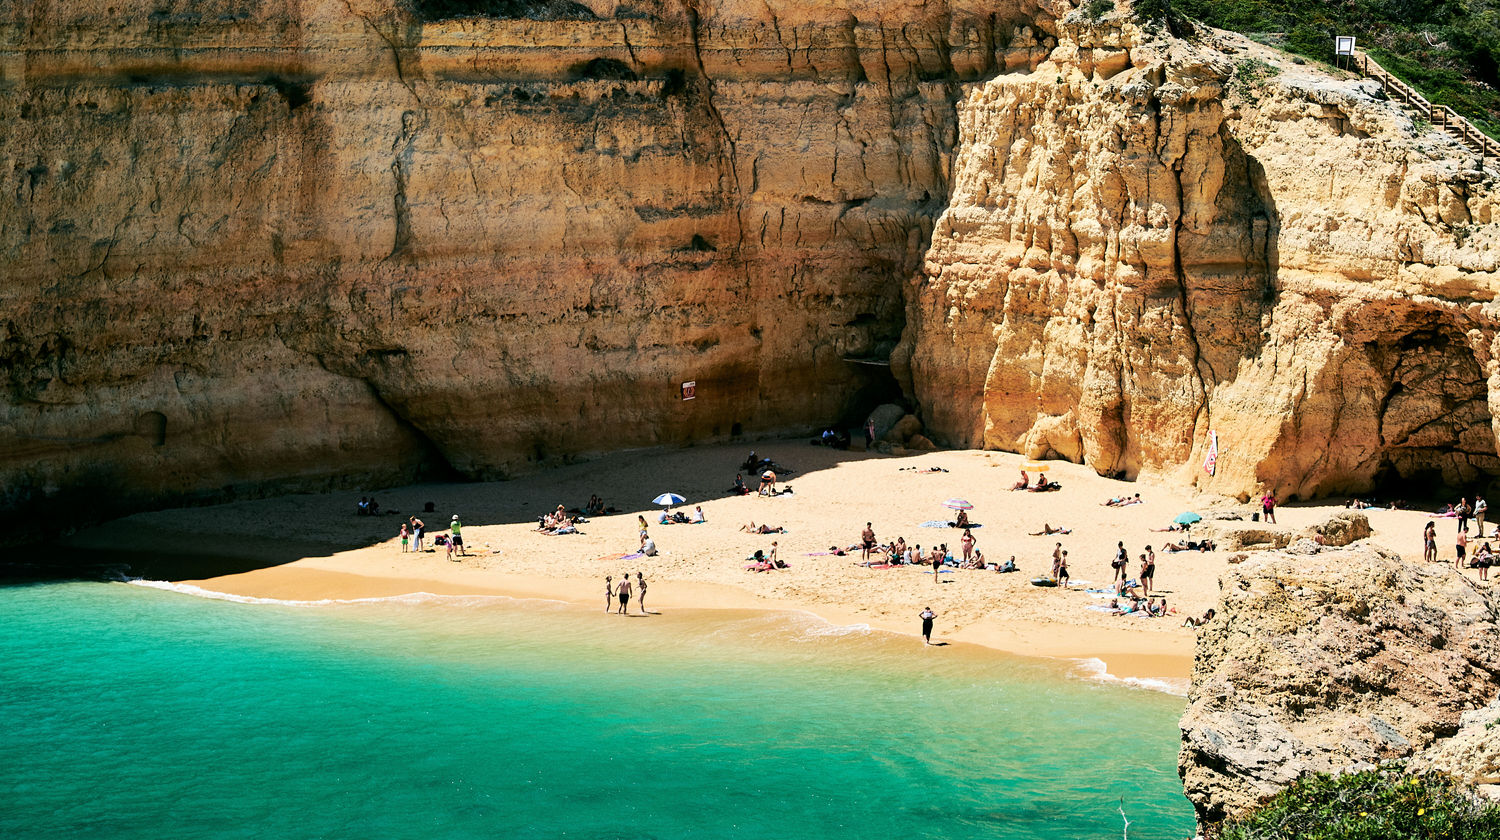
(1236, 534)
(252, 245)
(1325, 659)
(1151, 240)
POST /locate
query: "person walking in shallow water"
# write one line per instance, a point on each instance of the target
(640, 597)
(927, 615)
(609, 593)
(623, 592)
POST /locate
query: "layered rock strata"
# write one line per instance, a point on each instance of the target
(1325, 659)
(1151, 240)
(251, 245)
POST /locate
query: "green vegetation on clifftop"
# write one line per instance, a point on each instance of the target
(1383, 804)
(1447, 49)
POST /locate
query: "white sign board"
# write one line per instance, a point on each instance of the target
(1343, 45)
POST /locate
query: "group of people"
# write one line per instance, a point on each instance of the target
(621, 592)
(558, 522)
(669, 517)
(414, 530)
(766, 560)
(1041, 485)
(1483, 558)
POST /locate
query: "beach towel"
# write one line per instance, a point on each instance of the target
(879, 565)
(939, 523)
(818, 554)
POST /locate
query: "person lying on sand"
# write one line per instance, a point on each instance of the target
(1048, 530)
(927, 471)
(762, 529)
(1175, 526)
(1007, 566)
(1123, 501)
(1190, 545)
(1199, 622)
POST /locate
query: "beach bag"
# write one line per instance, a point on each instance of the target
(1254, 517)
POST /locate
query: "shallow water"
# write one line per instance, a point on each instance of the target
(134, 712)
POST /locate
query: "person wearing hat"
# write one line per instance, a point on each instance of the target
(455, 535)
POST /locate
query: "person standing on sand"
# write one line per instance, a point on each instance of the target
(455, 536)
(405, 538)
(418, 528)
(1268, 507)
(1463, 548)
(1148, 571)
(1122, 559)
(927, 615)
(937, 565)
(867, 538)
(1463, 510)
(968, 543)
(1480, 508)
(1429, 542)
(640, 520)
(640, 598)
(609, 592)
(1057, 554)
(1062, 570)
(623, 592)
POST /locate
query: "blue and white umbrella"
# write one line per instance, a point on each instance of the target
(668, 499)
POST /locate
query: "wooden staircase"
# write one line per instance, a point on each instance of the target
(1442, 117)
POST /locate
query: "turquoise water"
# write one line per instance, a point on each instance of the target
(128, 712)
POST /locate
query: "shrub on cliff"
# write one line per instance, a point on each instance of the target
(1383, 804)
(1448, 49)
(502, 9)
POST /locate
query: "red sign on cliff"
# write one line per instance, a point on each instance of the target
(689, 389)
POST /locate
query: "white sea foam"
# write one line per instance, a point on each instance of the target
(407, 598)
(826, 629)
(1096, 669)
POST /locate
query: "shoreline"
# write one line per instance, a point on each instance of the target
(312, 547)
(305, 585)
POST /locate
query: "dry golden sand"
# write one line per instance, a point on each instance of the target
(835, 493)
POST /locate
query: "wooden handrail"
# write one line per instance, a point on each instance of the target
(1442, 116)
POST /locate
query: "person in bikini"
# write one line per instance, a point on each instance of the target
(640, 598)
(609, 593)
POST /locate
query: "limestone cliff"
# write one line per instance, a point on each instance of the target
(1325, 659)
(254, 245)
(1149, 240)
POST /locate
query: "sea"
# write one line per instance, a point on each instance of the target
(157, 711)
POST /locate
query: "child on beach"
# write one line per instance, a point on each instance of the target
(405, 538)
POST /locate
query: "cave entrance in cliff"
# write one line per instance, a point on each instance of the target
(1436, 434)
(876, 386)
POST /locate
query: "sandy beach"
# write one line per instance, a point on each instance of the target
(312, 547)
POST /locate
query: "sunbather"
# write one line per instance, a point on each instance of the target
(1123, 501)
(1048, 530)
(762, 529)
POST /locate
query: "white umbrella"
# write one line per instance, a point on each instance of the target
(668, 499)
(958, 504)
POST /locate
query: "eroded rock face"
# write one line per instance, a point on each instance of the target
(1326, 660)
(1150, 240)
(257, 246)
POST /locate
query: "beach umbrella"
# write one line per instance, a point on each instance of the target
(958, 504)
(1034, 466)
(668, 499)
(1187, 518)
